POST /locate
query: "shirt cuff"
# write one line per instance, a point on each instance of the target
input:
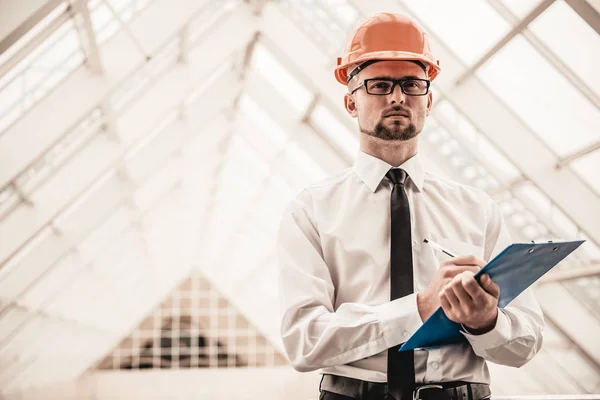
(498, 336)
(400, 319)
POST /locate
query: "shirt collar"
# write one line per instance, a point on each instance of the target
(371, 170)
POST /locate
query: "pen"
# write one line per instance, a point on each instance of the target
(440, 248)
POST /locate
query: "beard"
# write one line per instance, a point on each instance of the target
(396, 132)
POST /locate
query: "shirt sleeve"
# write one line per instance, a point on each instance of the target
(518, 334)
(316, 334)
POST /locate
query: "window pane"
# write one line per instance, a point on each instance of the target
(38, 73)
(324, 24)
(456, 21)
(587, 167)
(588, 250)
(495, 161)
(255, 125)
(286, 83)
(343, 12)
(303, 163)
(587, 291)
(323, 120)
(32, 33)
(542, 97)
(521, 7)
(576, 43)
(103, 20)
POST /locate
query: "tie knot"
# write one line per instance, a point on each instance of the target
(397, 176)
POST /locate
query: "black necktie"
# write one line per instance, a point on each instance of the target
(401, 369)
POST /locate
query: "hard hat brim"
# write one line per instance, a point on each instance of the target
(341, 72)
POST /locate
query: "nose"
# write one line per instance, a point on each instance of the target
(397, 96)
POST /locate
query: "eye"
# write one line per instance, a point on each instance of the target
(381, 85)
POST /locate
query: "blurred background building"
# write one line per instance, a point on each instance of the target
(148, 148)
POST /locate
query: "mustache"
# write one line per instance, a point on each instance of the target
(396, 110)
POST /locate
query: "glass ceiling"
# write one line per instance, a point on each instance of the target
(281, 132)
(521, 7)
(555, 111)
(574, 45)
(467, 17)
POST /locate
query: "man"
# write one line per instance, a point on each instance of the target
(356, 277)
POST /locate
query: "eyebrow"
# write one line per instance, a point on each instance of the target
(394, 78)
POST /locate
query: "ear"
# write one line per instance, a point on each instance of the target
(350, 105)
(429, 102)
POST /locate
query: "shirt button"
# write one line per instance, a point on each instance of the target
(406, 334)
(435, 365)
(419, 287)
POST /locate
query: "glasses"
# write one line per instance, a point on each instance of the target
(383, 87)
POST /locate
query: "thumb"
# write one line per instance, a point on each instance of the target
(489, 285)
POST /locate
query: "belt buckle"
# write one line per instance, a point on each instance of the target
(417, 391)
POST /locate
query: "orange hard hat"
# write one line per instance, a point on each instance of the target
(387, 36)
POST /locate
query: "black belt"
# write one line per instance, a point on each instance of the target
(358, 389)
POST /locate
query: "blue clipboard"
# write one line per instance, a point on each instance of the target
(515, 269)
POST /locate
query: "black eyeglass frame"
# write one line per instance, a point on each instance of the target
(394, 83)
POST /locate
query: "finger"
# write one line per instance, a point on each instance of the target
(461, 260)
(473, 288)
(490, 286)
(451, 296)
(463, 297)
(453, 270)
(468, 268)
(467, 260)
(446, 306)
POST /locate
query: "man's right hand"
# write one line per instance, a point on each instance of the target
(428, 301)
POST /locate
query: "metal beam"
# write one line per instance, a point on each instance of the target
(23, 143)
(325, 91)
(552, 58)
(38, 39)
(184, 45)
(569, 317)
(517, 29)
(171, 88)
(18, 18)
(261, 90)
(127, 29)
(139, 213)
(87, 36)
(121, 161)
(256, 6)
(587, 12)
(565, 161)
(508, 133)
(581, 270)
(510, 186)
(585, 354)
(88, 268)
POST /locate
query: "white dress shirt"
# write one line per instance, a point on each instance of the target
(334, 276)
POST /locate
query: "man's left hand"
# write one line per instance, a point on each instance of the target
(466, 302)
